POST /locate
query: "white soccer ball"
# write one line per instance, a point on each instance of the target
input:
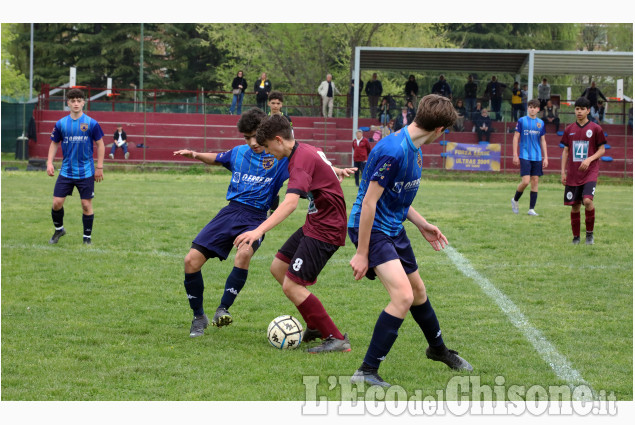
(285, 332)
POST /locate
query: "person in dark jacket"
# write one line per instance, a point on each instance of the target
(483, 126)
(593, 93)
(373, 91)
(442, 88)
(470, 89)
(494, 91)
(239, 84)
(262, 87)
(120, 141)
(411, 89)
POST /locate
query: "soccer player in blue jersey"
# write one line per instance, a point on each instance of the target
(76, 132)
(530, 130)
(388, 187)
(256, 179)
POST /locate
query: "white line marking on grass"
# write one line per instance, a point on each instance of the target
(547, 351)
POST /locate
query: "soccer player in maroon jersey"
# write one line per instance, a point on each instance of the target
(303, 256)
(583, 145)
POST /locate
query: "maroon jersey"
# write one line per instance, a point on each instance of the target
(583, 142)
(311, 177)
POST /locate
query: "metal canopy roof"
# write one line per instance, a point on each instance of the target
(545, 62)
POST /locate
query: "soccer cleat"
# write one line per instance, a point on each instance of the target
(87, 241)
(589, 238)
(331, 344)
(532, 212)
(449, 357)
(222, 318)
(576, 240)
(311, 335)
(111, 156)
(57, 235)
(199, 324)
(126, 155)
(371, 378)
(514, 206)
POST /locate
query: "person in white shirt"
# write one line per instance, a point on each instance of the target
(327, 90)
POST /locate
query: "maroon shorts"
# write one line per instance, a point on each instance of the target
(576, 194)
(306, 257)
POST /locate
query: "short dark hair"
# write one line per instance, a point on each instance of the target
(272, 126)
(276, 95)
(435, 111)
(534, 103)
(250, 120)
(582, 102)
(75, 94)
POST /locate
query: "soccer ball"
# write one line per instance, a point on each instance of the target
(285, 332)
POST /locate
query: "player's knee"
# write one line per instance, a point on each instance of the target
(243, 257)
(403, 301)
(588, 203)
(192, 264)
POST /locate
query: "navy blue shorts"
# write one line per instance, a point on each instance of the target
(576, 194)
(530, 168)
(64, 187)
(383, 248)
(305, 256)
(217, 237)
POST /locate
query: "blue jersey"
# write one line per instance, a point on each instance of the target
(256, 177)
(77, 137)
(531, 131)
(395, 163)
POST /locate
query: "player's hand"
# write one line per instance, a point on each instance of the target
(50, 170)
(345, 172)
(563, 179)
(247, 238)
(585, 164)
(516, 160)
(545, 162)
(185, 152)
(99, 174)
(433, 235)
(359, 263)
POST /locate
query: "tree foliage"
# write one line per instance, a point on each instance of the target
(14, 83)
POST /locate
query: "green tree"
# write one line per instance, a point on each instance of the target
(14, 83)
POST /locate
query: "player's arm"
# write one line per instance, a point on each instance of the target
(284, 210)
(587, 162)
(563, 165)
(545, 158)
(359, 262)
(207, 157)
(50, 170)
(430, 232)
(344, 172)
(515, 159)
(99, 168)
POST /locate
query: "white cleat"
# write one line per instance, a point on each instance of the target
(514, 206)
(532, 212)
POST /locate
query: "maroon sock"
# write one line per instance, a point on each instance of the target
(589, 219)
(316, 317)
(575, 224)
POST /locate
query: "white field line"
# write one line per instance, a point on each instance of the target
(545, 349)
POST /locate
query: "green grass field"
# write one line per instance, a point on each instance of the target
(111, 321)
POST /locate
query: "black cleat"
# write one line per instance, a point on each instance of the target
(222, 318)
(57, 235)
(87, 241)
(576, 240)
(449, 357)
(331, 344)
(589, 238)
(371, 378)
(199, 324)
(311, 335)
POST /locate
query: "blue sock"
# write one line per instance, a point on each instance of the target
(427, 320)
(533, 197)
(517, 196)
(384, 336)
(235, 282)
(194, 288)
(58, 218)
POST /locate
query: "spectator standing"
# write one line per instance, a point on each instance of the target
(373, 91)
(483, 126)
(544, 93)
(494, 91)
(593, 94)
(239, 85)
(361, 149)
(442, 87)
(120, 141)
(524, 99)
(517, 102)
(411, 90)
(470, 89)
(550, 115)
(462, 113)
(262, 87)
(404, 118)
(327, 90)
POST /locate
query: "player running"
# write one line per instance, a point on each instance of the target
(583, 145)
(389, 185)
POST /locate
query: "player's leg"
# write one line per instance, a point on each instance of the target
(233, 285)
(86, 189)
(524, 182)
(589, 210)
(112, 151)
(573, 198)
(533, 194)
(194, 287)
(57, 214)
